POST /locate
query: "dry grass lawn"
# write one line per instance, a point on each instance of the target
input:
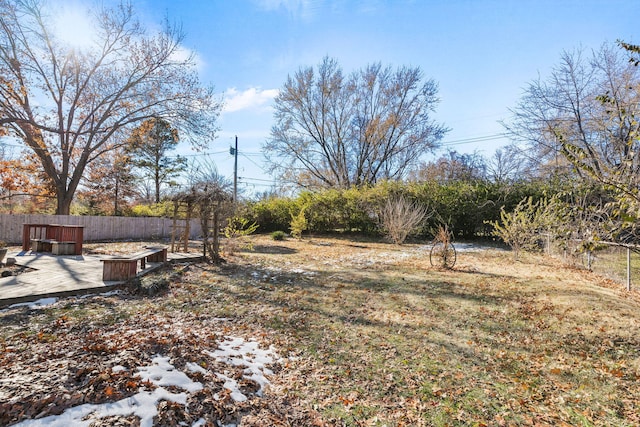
(369, 334)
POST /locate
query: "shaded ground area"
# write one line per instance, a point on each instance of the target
(366, 334)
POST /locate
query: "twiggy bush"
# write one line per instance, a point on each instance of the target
(400, 218)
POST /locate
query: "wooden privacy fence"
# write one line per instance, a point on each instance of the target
(98, 228)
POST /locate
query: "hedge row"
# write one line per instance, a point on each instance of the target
(464, 206)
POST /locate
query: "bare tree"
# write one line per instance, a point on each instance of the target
(68, 104)
(452, 166)
(339, 131)
(596, 129)
(508, 164)
(585, 112)
(583, 217)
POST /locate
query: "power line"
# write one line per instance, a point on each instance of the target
(247, 155)
(474, 139)
(211, 153)
(253, 185)
(255, 179)
(461, 141)
(199, 154)
(257, 165)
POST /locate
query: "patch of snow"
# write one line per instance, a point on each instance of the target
(33, 305)
(45, 302)
(232, 351)
(247, 354)
(194, 367)
(463, 247)
(143, 404)
(103, 294)
(162, 373)
(231, 385)
(473, 247)
(302, 271)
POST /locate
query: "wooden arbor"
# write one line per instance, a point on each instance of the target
(182, 208)
(208, 201)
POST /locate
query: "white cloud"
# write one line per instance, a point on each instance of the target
(73, 25)
(309, 9)
(248, 99)
(183, 53)
(302, 8)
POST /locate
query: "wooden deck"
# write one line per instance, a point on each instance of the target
(65, 275)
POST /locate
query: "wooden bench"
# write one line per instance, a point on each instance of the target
(63, 248)
(124, 268)
(42, 245)
(53, 246)
(40, 237)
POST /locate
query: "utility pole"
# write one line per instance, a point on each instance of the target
(234, 151)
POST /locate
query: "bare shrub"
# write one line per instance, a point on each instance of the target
(400, 218)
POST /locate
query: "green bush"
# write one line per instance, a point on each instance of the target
(272, 214)
(162, 209)
(467, 207)
(238, 227)
(278, 235)
(299, 224)
(236, 231)
(521, 228)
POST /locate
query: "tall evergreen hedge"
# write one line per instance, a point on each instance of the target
(464, 206)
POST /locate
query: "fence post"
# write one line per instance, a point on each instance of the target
(548, 244)
(628, 269)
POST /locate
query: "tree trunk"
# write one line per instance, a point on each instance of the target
(115, 199)
(64, 197)
(157, 179)
(216, 236)
(66, 186)
(64, 204)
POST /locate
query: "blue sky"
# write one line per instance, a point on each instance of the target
(482, 53)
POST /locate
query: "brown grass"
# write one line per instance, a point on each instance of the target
(371, 334)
